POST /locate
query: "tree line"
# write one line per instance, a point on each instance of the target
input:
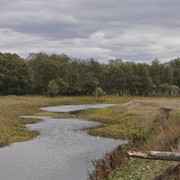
(44, 74)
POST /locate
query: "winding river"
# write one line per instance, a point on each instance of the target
(62, 151)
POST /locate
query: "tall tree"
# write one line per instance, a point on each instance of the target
(47, 68)
(15, 76)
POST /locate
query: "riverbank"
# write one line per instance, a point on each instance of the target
(143, 120)
(150, 124)
(12, 128)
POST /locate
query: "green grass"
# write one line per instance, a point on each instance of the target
(138, 169)
(119, 122)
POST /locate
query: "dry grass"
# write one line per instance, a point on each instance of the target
(150, 127)
(167, 136)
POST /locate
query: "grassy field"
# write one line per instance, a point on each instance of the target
(144, 121)
(149, 124)
(12, 128)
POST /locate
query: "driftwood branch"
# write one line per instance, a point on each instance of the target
(156, 155)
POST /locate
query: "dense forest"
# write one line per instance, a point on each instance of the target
(54, 74)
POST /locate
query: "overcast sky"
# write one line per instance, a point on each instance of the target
(138, 30)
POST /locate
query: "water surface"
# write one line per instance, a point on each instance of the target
(62, 151)
(72, 108)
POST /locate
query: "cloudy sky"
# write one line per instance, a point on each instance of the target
(138, 30)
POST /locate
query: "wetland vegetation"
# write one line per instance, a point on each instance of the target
(141, 120)
(11, 107)
(149, 124)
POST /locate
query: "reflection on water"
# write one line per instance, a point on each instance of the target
(63, 151)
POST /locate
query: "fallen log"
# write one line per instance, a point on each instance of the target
(156, 155)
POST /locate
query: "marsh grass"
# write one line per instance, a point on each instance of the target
(119, 121)
(12, 128)
(147, 126)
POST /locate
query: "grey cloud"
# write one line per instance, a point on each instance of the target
(103, 29)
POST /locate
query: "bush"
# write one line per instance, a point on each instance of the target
(53, 88)
(98, 92)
